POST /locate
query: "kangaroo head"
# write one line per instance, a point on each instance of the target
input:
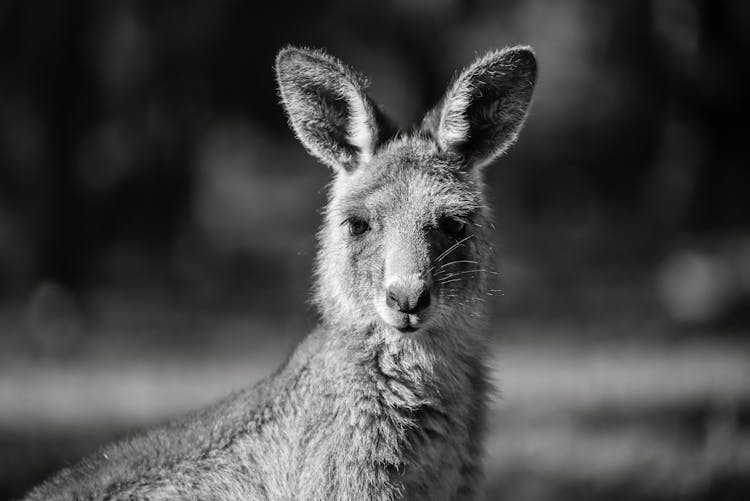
(405, 243)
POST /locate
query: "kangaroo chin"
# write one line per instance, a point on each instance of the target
(386, 399)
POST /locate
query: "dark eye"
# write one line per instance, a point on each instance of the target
(452, 226)
(357, 226)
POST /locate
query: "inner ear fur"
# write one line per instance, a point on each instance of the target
(485, 107)
(328, 108)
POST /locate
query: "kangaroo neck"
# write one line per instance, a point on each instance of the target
(426, 370)
(397, 402)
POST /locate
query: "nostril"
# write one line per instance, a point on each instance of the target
(392, 299)
(407, 301)
(423, 301)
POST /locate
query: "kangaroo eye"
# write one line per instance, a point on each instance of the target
(357, 226)
(452, 226)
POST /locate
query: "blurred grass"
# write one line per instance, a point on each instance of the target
(582, 419)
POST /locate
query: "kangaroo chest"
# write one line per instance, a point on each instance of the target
(378, 432)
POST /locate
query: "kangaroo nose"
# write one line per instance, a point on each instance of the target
(407, 299)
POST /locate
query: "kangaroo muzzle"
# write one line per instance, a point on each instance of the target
(410, 295)
(407, 287)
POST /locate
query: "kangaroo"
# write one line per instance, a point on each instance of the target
(386, 398)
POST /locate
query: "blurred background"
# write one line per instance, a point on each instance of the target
(157, 224)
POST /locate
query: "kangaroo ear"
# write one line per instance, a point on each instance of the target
(328, 108)
(485, 107)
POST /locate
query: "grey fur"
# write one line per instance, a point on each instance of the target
(361, 410)
(485, 108)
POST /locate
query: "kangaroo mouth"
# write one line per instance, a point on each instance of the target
(407, 329)
(407, 323)
(402, 322)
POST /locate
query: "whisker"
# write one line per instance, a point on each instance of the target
(447, 275)
(452, 248)
(462, 261)
(452, 280)
(454, 274)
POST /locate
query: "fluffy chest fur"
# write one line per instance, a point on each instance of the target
(406, 421)
(346, 418)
